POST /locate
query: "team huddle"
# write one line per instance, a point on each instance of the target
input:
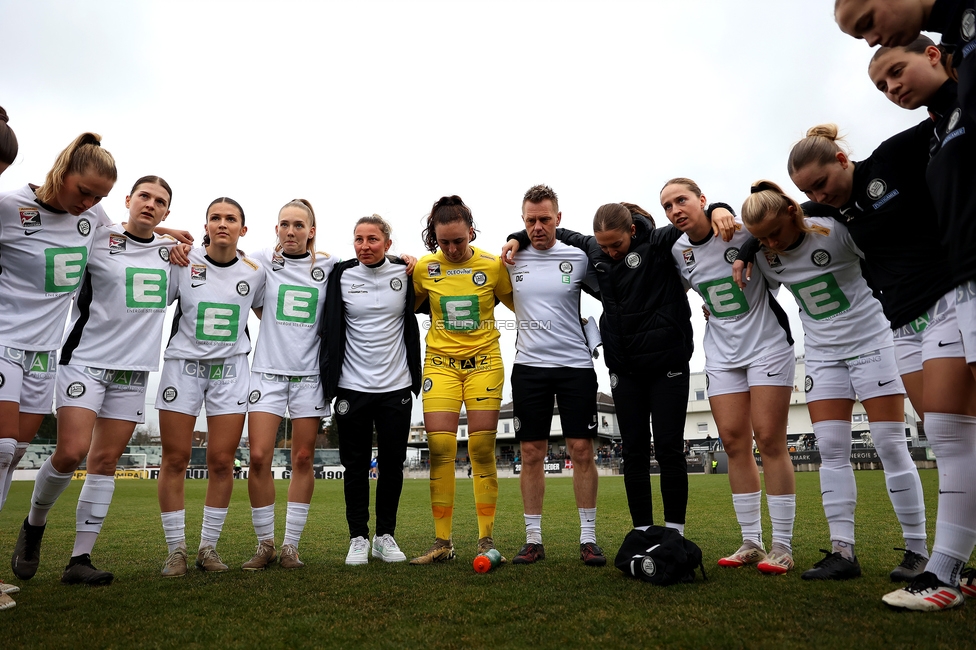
(880, 320)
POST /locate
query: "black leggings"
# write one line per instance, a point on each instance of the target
(662, 396)
(356, 413)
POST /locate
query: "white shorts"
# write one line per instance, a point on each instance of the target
(774, 369)
(185, 385)
(302, 395)
(873, 374)
(966, 317)
(114, 394)
(933, 335)
(27, 378)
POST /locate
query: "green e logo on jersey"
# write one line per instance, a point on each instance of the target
(217, 322)
(297, 304)
(461, 313)
(724, 297)
(64, 268)
(821, 297)
(145, 288)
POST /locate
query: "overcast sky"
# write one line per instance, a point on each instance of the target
(383, 107)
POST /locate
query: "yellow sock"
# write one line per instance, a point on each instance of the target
(443, 451)
(481, 450)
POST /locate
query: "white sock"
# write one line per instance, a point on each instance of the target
(295, 520)
(782, 512)
(48, 486)
(533, 529)
(644, 528)
(901, 478)
(213, 523)
(945, 568)
(174, 529)
(587, 525)
(8, 447)
(263, 520)
(747, 512)
(93, 503)
(837, 487)
(5, 485)
(678, 527)
(953, 439)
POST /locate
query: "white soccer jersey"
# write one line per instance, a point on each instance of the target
(43, 254)
(547, 288)
(841, 318)
(743, 326)
(214, 300)
(376, 356)
(288, 343)
(117, 319)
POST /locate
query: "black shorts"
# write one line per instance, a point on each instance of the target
(533, 390)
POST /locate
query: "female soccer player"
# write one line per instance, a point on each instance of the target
(749, 364)
(206, 363)
(647, 340)
(371, 365)
(284, 375)
(46, 238)
(849, 354)
(8, 449)
(463, 364)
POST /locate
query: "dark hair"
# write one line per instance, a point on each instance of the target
(539, 193)
(223, 199)
(84, 154)
(448, 209)
(918, 46)
(153, 179)
(8, 140)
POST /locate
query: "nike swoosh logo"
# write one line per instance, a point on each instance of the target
(773, 374)
(276, 268)
(92, 523)
(114, 252)
(241, 403)
(197, 284)
(674, 374)
(480, 399)
(319, 408)
(778, 271)
(491, 389)
(591, 426)
(436, 280)
(31, 232)
(951, 492)
(897, 491)
(885, 383)
(138, 412)
(405, 401)
(942, 345)
(823, 493)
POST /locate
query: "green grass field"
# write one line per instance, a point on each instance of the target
(553, 604)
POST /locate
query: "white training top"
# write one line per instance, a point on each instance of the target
(43, 254)
(288, 343)
(841, 318)
(117, 319)
(214, 299)
(742, 326)
(547, 288)
(375, 357)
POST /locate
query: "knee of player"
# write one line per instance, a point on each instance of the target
(301, 459)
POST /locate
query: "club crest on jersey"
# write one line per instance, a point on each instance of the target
(953, 120)
(116, 243)
(75, 389)
(479, 278)
(613, 380)
(164, 253)
(198, 273)
(318, 274)
(517, 423)
(396, 284)
(428, 384)
(254, 396)
(632, 260)
(731, 254)
(565, 267)
(772, 259)
(243, 288)
(820, 257)
(342, 407)
(688, 255)
(30, 218)
(169, 394)
(3, 380)
(967, 29)
(84, 227)
(434, 270)
(277, 262)
(877, 188)
(808, 384)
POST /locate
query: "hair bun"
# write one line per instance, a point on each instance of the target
(829, 131)
(3, 116)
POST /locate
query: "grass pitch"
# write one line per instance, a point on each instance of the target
(556, 603)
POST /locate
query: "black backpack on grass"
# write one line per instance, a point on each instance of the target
(660, 556)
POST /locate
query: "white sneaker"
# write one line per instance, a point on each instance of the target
(386, 549)
(358, 551)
